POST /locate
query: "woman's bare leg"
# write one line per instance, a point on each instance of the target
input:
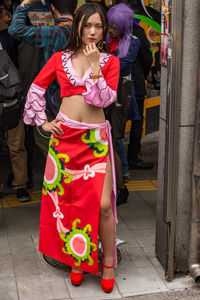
(106, 224)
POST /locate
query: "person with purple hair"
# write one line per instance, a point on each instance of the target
(125, 46)
(140, 71)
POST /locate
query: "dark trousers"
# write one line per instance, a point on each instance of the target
(29, 144)
(136, 132)
(18, 156)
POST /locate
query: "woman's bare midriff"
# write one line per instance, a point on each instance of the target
(75, 108)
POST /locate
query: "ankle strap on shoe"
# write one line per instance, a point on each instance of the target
(107, 267)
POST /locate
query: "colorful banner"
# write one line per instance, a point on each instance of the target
(164, 32)
(155, 4)
(41, 18)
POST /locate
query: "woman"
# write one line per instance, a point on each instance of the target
(125, 47)
(78, 196)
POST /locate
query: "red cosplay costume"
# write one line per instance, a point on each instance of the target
(76, 162)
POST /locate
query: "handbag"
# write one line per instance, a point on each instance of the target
(120, 108)
(124, 91)
(117, 113)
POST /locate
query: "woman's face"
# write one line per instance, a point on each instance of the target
(93, 30)
(113, 31)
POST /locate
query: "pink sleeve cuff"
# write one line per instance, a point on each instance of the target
(34, 111)
(99, 93)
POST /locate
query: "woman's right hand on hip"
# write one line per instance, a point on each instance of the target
(53, 127)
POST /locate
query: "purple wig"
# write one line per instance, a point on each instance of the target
(122, 17)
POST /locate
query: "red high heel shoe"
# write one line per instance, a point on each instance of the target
(107, 284)
(76, 278)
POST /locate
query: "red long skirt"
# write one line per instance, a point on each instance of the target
(71, 195)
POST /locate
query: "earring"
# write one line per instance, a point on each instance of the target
(100, 45)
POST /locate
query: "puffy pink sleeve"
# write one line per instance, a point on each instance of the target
(34, 110)
(103, 92)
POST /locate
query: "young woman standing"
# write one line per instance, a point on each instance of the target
(78, 196)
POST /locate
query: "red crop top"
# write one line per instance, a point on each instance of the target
(100, 93)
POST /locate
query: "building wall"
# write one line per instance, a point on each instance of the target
(185, 60)
(189, 81)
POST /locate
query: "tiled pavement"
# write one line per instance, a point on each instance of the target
(25, 275)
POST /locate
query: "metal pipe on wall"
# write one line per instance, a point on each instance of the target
(194, 250)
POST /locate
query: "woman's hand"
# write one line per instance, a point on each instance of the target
(53, 127)
(92, 53)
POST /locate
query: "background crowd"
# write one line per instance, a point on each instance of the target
(30, 47)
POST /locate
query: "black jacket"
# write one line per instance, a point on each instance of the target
(10, 45)
(142, 64)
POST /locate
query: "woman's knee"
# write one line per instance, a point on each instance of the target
(106, 210)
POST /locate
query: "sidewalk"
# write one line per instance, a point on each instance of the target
(24, 275)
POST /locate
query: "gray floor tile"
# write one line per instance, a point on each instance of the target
(23, 229)
(126, 264)
(145, 237)
(161, 271)
(150, 198)
(181, 283)
(121, 226)
(8, 289)
(22, 221)
(139, 257)
(124, 211)
(104, 297)
(133, 258)
(21, 245)
(146, 175)
(49, 270)
(91, 289)
(27, 213)
(3, 229)
(138, 210)
(41, 288)
(135, 223)
(25, 264)
(150, 252)
(45, 268)
(142, 281)
(4, 245)
(35, 242)
(6, 266)
(128, 237)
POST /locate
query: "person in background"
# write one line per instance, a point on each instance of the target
(6, 16)
(50, 39)
(15, 136)
(8, 5)
(140, 70)
(125, 47)
(29, 59)
(79, 193)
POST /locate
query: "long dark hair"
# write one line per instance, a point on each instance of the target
(83, 13)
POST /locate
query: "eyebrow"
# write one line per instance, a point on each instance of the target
(94, 23)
